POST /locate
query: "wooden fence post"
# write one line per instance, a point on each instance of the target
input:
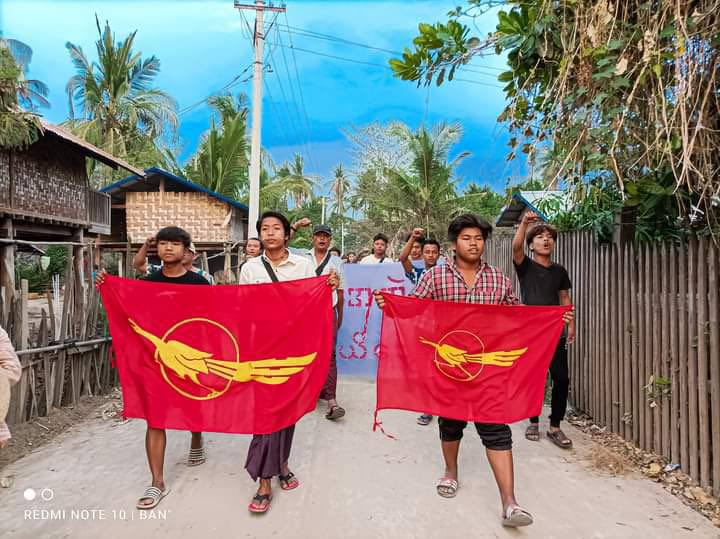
(714, 349)
(703, 367)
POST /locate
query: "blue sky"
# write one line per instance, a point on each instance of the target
(203, 45)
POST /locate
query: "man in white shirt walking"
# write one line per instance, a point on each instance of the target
(324, 263)
(269, 454)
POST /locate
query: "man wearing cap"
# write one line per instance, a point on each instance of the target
(325, 262)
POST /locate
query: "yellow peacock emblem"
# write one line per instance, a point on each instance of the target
(459, 364)
(185, 363)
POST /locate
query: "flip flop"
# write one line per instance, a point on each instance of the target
(196, 456)
(559, 439)
(335, 412)
(154, 494)
(516, 517)
(532, 432)
(256, 506)
(424, 419)
(447, 487)
(289, 481)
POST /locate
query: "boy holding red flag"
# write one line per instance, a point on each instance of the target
(468, 279)
(269, 454)
(173, 246)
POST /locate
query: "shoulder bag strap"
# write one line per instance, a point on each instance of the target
(270, 270)
(321, 267)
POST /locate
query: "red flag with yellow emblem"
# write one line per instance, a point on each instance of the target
(246, 359)
(484, 363)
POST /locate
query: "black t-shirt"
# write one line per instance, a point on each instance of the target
(540, 285)
(189, 277)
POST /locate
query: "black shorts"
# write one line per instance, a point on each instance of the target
(496, 437)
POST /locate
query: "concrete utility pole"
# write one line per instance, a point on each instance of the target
(259, 42)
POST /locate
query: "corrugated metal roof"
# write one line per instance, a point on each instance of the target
(522, 200)
(126, 183)
(93, 151)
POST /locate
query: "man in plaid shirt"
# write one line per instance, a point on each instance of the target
(467, 279)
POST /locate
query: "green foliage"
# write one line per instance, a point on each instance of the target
(483, 201)
(58, 259)
(114, 106)
(31, 93)
(17, 128)
(408, 178)
(221, 162)
(39, 280)
(290, 187)
(609, 93)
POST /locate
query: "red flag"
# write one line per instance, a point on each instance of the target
(484, 363)
(240, 359)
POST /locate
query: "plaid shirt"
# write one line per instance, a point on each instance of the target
(446, 283)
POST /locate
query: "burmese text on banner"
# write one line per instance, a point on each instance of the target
(358, 340)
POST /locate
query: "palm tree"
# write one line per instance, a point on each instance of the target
(18, 129)
(31, 93)
(426, 193)
(112, 102)
(291, 183)
(221, 163)
(339, 188)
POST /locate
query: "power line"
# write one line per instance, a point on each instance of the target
(373, 64)
(328, 37)
(294, 121)
(302, 96)
(291, 124)
(234, 82)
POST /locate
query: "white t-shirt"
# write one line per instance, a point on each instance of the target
(294, 267)
(335, 263)
(371, 259)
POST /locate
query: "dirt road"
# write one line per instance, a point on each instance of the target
(355, 484)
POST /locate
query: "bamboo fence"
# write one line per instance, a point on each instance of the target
(646, 362)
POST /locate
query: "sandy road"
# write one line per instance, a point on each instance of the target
(355, 484)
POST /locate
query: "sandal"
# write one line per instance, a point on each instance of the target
(559, 439)
(532, 432)
(289, 481)
(424, 419)
(153, 494)
(196, 457)
(515, 517)
(257, 505)
(447, 487)
(335, 412)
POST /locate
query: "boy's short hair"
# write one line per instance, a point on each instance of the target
(380, 236)
(539, 229)
(431, 241)
(174, 233)
(277, 215)
(254, 239)
(335, 250)
(468, 220)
